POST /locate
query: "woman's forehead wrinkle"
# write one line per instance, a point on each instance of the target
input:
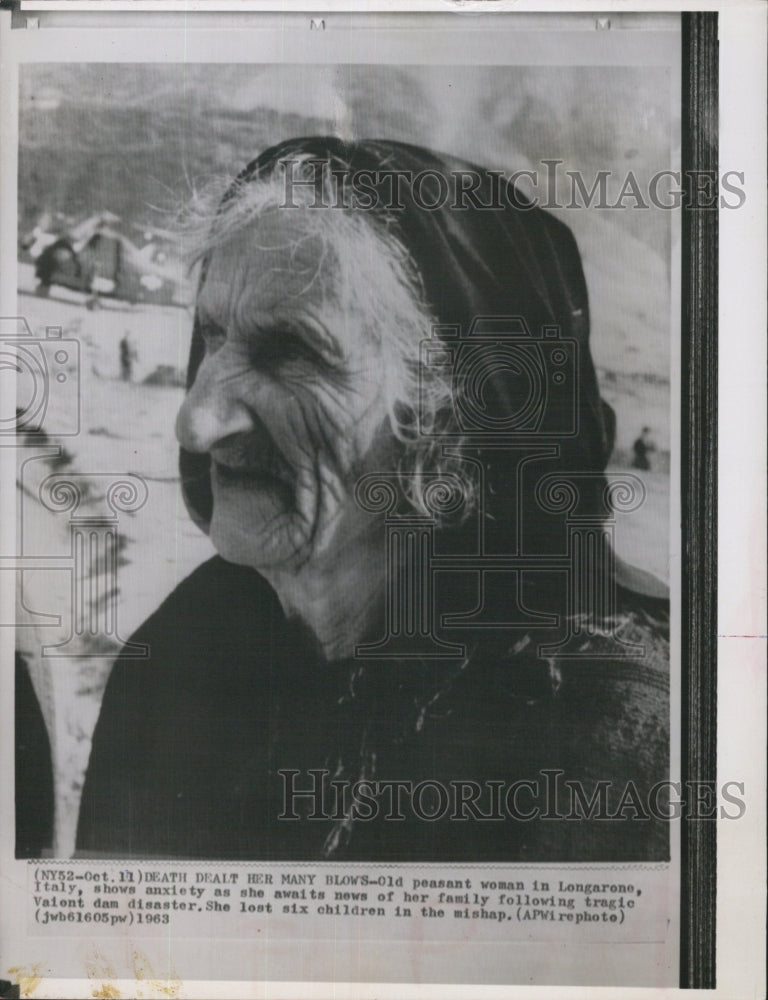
(281, 272)
(236, 285)
(214, 297)
(226, 283)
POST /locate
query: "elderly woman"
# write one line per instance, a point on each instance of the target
(340, 284)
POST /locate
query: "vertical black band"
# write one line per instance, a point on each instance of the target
(699, 490)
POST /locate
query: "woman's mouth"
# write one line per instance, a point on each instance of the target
(243, 475)
(242, 463)
(257, 478)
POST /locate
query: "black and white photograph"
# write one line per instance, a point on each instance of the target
(351, 507)
(431, 518)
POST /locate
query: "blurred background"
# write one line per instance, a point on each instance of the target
(108, 153)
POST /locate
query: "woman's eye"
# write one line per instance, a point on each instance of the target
(278, 348)
(292, 347)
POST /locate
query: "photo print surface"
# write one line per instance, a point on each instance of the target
(348, 439)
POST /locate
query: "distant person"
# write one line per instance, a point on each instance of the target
(642, 448)
(128, 356)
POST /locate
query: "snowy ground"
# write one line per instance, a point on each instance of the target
(127, 428)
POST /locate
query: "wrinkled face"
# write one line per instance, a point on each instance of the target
(287, 401)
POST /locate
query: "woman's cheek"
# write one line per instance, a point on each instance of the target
(312, 416)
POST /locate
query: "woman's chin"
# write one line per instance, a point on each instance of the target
(271, 538)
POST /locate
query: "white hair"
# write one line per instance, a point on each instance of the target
(419, 399)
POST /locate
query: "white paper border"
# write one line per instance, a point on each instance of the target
(741, 706)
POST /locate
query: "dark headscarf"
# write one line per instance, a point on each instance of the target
(504, 262)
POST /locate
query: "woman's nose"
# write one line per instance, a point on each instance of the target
(212, 409)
